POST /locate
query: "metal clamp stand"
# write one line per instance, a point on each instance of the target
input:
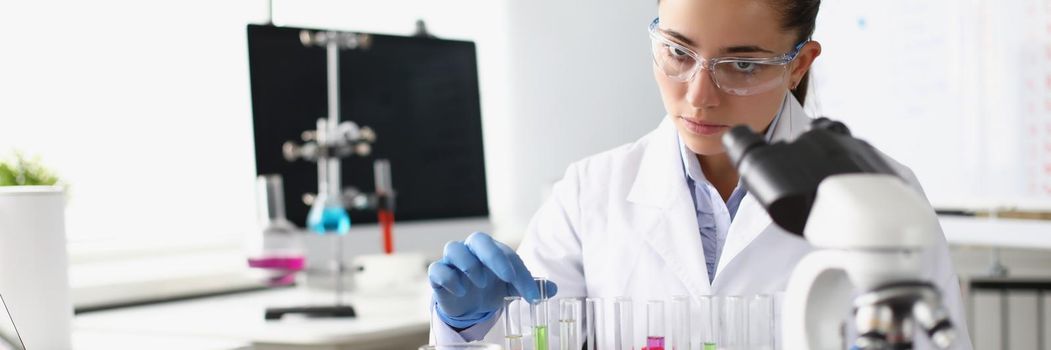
(996, 267)
(326, 145)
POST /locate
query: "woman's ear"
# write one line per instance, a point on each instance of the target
(803, 60)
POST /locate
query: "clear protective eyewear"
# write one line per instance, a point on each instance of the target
(739, 76)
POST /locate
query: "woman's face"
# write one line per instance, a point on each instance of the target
(702, 112)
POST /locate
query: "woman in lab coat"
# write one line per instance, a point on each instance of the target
(667, 214)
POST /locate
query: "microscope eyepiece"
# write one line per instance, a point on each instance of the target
(784, 175)
(830, 125)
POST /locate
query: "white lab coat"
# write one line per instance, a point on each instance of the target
(622, 223)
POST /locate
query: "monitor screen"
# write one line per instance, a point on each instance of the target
(420, 95)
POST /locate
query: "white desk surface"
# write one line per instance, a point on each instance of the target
(91, 340)
(1006, 233)
(239, 318)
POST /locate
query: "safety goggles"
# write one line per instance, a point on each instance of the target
(740, 76)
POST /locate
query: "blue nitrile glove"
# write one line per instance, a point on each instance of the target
(473, 277)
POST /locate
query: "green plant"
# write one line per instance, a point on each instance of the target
(20, 171)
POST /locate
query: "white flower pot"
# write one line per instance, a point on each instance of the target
(34, 265)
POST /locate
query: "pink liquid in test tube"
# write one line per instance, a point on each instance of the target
(655, 325)
(282, 269)
(293, 263)
(654, 343)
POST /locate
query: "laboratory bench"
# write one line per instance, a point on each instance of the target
(400, 320)
(235, 321)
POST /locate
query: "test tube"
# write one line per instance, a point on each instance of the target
(594, 323)
(655, 325)
(760, 322)
(513, 323)
(623, 324)
(734, 330)
(708, 325)
(539, 312)
(680, 327)
(569, 316)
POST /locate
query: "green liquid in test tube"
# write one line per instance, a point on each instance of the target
(539, 313)
(540, 334)
(708, 323)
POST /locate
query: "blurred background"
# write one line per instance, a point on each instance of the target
(150, 112)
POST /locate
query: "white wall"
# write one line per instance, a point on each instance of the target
(972, 124)
(143, 107)
(581, 83)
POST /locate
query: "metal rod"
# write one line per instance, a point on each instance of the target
(269, 11)
(322, 166)
(968, 292)
(1040, 319)
(1004, 326)
(332, 48)
(381, 174)
(338, 261)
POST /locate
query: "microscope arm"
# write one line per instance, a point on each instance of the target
(816, 300)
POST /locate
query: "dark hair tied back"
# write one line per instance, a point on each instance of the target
(800, 16)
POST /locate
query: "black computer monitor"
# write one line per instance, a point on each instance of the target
(419, 94)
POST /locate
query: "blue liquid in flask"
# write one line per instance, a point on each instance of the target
(329, 220)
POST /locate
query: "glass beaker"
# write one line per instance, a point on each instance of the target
(278, 249)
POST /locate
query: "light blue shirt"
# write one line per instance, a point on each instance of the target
(713, 215)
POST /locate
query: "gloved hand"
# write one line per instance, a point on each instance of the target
(473, 277)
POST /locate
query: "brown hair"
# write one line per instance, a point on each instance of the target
(801, 16)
